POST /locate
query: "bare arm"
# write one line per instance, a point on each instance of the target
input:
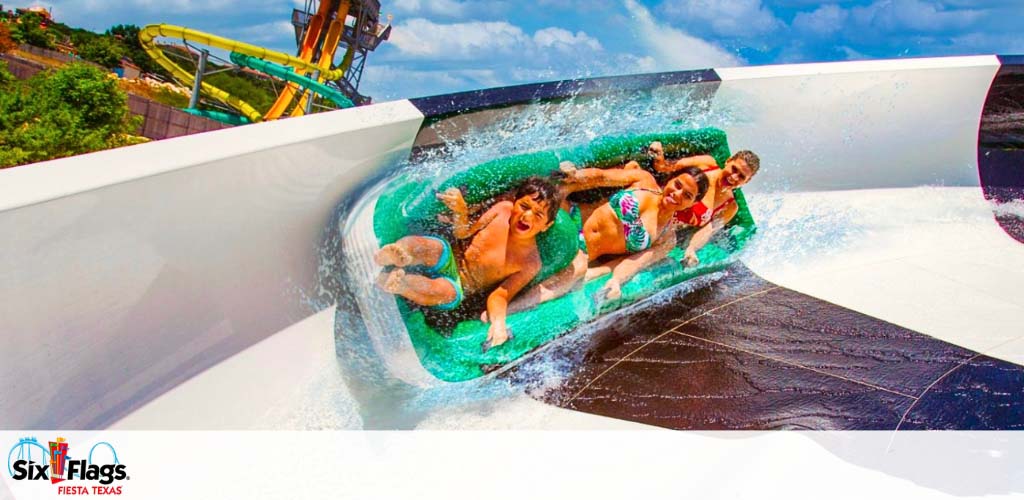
(659, 163)
(704, 234)
(590, 178)
(625, 268)
(497, 303)
(693, 161)
(461, 227)
(553, 287)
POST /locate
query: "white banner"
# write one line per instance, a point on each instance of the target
(514, 465)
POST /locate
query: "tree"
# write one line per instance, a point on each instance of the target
(102, 50)
(29, 29)
(7, 43)
(128, 36)
(76, 109)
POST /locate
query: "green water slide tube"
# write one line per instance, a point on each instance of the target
(453, 353)
(229, 118)
(286, 73)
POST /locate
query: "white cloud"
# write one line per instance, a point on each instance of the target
(917, 15)
(422, 39)
(385, 82)
(673, 49)
(440, 8)
(884, 17)
(565, 40)
(729, 18)
(824, 20)
(266, 33)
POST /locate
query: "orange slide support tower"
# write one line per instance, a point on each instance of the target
(309, 45)
(327, 53)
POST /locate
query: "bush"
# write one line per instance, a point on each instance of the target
(76, 109)
(7, 78)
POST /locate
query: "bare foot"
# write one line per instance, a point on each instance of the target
(391, 282)
(392, 255)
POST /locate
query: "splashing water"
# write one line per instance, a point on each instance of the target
(347, 273)
(793, 229)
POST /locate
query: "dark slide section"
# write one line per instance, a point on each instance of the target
(1001, 142)
(745, 354)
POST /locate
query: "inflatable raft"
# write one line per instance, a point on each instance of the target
(451, 351)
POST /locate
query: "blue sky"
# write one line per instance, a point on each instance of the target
(441, 46)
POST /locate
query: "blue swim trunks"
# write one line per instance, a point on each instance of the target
(448, 269)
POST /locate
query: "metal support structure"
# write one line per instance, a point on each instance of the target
(197, 83)
(360, 37)
(310, 95)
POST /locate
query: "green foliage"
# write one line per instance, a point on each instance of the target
(74, 110)
(169, 98)
(102, 50)
(259, 93)
(7, 79)
(128, 36)
(29, 30)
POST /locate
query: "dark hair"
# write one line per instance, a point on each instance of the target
(540, 190)
(699, 177)
(749, 158)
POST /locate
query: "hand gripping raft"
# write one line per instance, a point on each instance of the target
(452, 352)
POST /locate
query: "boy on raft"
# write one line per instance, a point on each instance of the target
(501, 254)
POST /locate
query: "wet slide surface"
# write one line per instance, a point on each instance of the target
(744, 353)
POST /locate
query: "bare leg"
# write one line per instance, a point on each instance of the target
(410, 251)
(419, 289)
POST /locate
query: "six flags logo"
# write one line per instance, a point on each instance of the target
(56, 466)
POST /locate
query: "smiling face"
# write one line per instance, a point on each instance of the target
(680, 192)
(736, 173)
(529, 216)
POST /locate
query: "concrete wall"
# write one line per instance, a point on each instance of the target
(844, 125)
(125, 272)
(161, 121)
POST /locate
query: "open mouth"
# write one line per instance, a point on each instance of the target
(522, 226)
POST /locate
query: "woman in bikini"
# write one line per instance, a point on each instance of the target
(708, 215)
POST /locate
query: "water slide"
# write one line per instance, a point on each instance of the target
(310, 44)
(330, 46)
(286, 73)
(149, 34)
(220, 281)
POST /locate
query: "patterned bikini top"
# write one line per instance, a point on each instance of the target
(627, 208)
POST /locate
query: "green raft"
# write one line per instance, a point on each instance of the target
(455, 354)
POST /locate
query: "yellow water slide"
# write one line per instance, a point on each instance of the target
(309, 45)
(149, 34)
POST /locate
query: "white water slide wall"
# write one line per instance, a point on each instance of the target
(125, 273)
